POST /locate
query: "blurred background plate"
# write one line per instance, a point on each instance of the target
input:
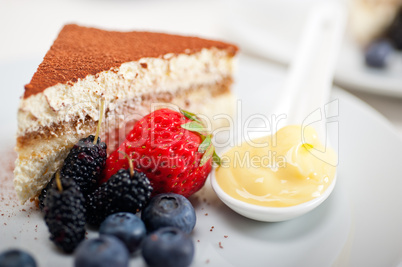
(271, 29)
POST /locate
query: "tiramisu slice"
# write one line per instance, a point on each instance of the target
(131, 71)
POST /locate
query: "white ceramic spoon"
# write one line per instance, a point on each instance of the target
(307, 88)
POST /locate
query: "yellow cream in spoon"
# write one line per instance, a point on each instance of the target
(285, 169)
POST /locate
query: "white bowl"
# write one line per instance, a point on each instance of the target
(268, 214)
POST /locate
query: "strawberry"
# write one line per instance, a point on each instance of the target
(171, 148)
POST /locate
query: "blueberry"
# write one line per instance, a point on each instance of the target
(168, 247)
(169, 210)
(377, 53)
(16, 258)
(104, 251)
(125, 226)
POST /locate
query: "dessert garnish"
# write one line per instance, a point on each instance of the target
(103, 251)
(169, 209)
(43, 194)
(168, 247)
(86, 159)
(126, 191)
(377, 53)
(172, 148)
(16, 257)
(127, 227)
(65, 213)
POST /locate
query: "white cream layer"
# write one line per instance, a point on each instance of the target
(63, 102)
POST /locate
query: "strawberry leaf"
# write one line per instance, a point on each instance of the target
(194, 126)
(190, 116)
(216, 158)
(207, 155)
(205, 144)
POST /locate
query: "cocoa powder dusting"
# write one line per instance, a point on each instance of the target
(81, 51)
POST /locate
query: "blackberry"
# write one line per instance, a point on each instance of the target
(123, 192)
(85, 163)
(394, 32)
(43, 194)
(65, 214)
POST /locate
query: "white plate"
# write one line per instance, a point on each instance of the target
(358, 225)
(271, 29)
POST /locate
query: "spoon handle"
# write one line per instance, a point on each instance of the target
(310, 75)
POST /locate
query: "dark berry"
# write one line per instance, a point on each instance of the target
(121, 193)
(43, 194)
(169, 210)
(394, 32)
(168, 247)
(16, 258)
(104, 251)
(65, 215)
(377, 53)
(85, 162)
(127, 227)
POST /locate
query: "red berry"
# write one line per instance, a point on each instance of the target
(163, 150)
